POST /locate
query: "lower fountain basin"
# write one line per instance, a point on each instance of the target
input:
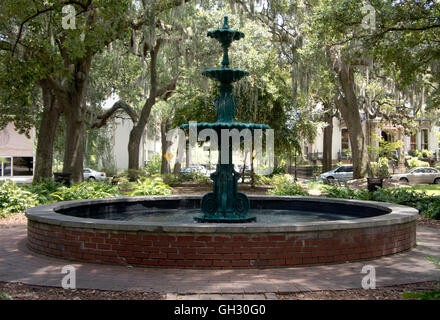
(161, 231)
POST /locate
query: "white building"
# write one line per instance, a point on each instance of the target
(120, 133)
(16, 155)
(425, 138)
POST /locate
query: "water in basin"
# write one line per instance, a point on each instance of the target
(187, 216)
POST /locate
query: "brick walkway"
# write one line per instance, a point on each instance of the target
(18, 264)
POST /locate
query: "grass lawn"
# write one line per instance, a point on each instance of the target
(430, 189)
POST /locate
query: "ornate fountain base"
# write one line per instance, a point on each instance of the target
(225, 204)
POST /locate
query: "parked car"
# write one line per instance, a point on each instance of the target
(344, 172)
(90, 174)
(420, 175)
(194, 169)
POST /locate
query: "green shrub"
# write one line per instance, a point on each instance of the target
(261, 180)
(283, 185)
(172, 179)
(413, 162)
(86, 190)
(14, 199)
(423, 154)
(202, 179)
(154, 165)
(429, 206)
(123, 182)
(277, 170)
(380, 168)
(150, 187)
(43, 190)
(345, 193)
(194, 177)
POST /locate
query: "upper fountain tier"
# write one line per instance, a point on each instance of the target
(225, 74)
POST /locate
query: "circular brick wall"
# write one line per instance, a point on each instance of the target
(219, 245)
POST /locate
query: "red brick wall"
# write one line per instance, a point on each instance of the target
(245, 250)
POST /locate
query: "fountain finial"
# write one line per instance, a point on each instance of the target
(225, 23)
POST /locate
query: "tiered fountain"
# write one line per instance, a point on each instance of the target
(160, 230)
(225, 203)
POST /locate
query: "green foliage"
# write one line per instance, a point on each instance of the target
(429, 206)
(194, 177)
(386, 149)
(172, 179)
(346, 152)
(423, 154)
(154, 165)
(283, 185)
(176, 179)
(413, 162)
(277, 170)
(380, 168)
(345, 193)
(201, 178)
(122, 181)
(43, 190)
(5, 296)
(261, 180)
(14, 199)
(151, 187)
(425, 295)
(85, 190)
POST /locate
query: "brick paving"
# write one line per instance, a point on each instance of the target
(19, 264)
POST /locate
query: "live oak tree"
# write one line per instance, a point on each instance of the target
(62, 57)
(63, 53)
(154, 52)
(397, 45)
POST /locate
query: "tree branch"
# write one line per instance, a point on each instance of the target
(119, 105)
(168, 89)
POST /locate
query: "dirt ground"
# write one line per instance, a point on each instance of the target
(19, 291)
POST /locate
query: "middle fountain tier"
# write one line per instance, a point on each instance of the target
(225, 204)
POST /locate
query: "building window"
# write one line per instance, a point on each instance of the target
(413, 143)
(5, 167)
(424, 133)
(23, 166)
(345, 143)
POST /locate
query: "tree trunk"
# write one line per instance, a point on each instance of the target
(327, 140)
(46, 135)
(165, 165)
(74, 135)
(252, 168)
(402, 152)
(134, 142)
(177, 167)
(349, 108)
(70, 96)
